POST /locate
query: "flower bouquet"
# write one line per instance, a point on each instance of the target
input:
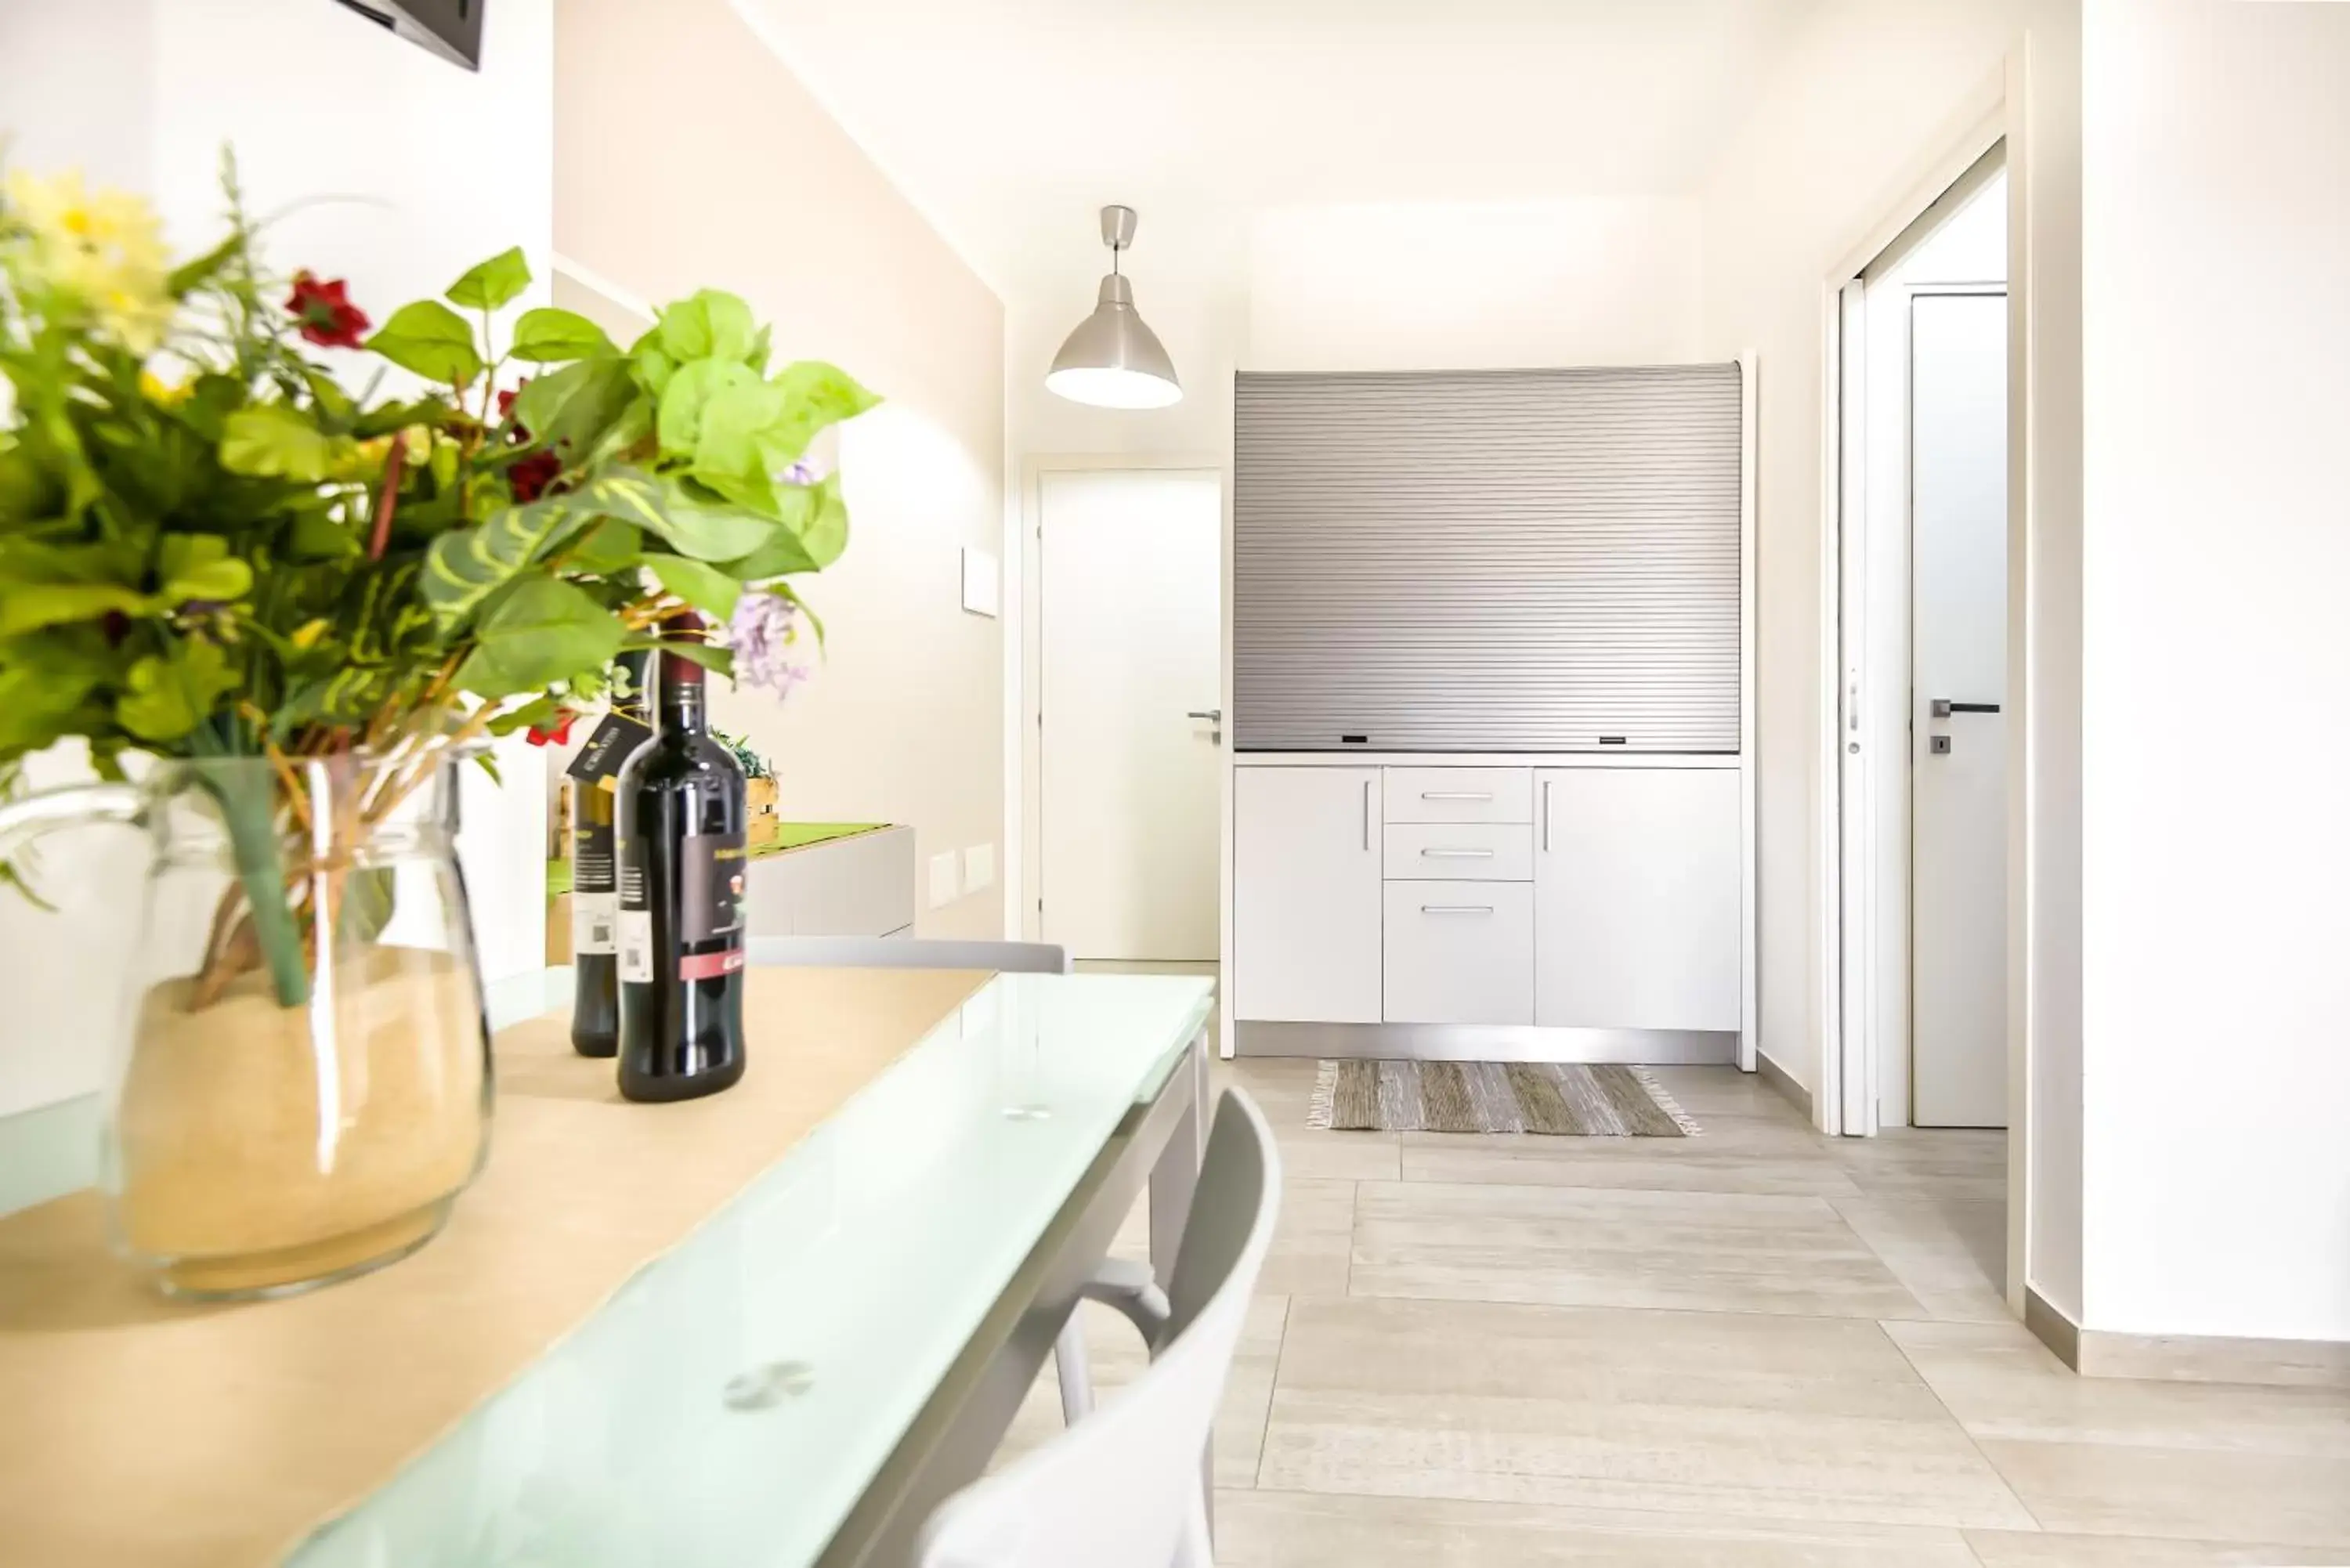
(277, 608)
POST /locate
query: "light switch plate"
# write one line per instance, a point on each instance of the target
(978, 868)
(982, 589)
(944, 888)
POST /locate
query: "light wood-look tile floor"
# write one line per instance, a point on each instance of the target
(1757, 1348)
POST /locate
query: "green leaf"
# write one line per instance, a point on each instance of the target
(199, 567)
(189, 275)
(317, 536)
(464, 567)
(827, 533)
(687, 393)
(432, 341)
(712, 325)
(703, 587)
(653, 364)
(26, 491)
(729, 442)
(548, 334)
(272, 440)
(814, 532)
(609, 546)
(168, 697)
(571, 409)
(709, 655)
(706, 530)
(544, 632)
(817, 395)
(492, 284)
(391, 417)
(26, 607)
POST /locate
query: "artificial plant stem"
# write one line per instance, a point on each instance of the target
(251, 816)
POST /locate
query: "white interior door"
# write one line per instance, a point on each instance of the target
(1958, 445)
(1132, 567)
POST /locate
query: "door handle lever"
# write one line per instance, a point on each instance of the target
(1213, 715)
(1942, 707)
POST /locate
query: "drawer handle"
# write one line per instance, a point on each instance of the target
(1454, 795)
(1456, 908)
(1457, 854)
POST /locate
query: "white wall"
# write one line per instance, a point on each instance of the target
(1423, 287)
(1867, 95)
(442, 167)
(722, 170)
(2216, 215)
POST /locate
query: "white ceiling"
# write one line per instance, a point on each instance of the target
(1008, 121)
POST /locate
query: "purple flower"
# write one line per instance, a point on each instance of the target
(762, 632)
(800, 474)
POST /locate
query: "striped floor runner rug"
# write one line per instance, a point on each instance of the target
(1551, 1098)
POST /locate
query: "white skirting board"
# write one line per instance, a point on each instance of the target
(1489, 1042)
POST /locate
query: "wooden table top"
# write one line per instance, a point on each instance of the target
(134, 1430)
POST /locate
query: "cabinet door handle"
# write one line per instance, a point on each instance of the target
(1366, 816)
(1455, 795)
(1457, 854)
(1456, 908)
(1546, 816)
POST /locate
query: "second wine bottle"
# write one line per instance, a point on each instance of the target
(682, 875)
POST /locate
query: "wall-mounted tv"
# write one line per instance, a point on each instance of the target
(449, 28)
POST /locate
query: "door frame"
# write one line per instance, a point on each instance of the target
(1847, 1064)
(1027, 707)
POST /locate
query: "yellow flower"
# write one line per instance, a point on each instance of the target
(162, 393)
(105, 248)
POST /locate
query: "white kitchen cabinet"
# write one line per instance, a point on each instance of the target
(1638, 890)
(1460, 953)
(1306, 895)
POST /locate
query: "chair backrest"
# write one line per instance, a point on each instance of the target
(900, 952)
(1120, 1489)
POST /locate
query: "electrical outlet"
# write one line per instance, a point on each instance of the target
(944, 888)
(978, 868)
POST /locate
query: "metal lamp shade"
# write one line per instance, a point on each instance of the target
(1113, 360)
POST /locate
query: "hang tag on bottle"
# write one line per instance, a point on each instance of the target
(616, 739)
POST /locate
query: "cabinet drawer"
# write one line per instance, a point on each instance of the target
(1460, 794)
(1460, 953)
(1461, 852)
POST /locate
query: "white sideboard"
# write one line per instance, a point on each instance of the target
(1574, 908)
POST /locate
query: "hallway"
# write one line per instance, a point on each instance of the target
(1757, 1347)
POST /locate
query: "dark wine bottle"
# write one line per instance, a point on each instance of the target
(682, 820)
(595, 865)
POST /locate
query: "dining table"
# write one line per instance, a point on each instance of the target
(772, 1328)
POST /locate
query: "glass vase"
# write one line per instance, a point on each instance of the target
(298, 1083)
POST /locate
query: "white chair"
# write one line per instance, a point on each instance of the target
(900, 952)
(1122, 1487)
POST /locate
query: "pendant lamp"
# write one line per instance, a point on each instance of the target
(1113, 360)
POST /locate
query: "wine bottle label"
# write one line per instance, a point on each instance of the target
(712, 873)
(634, 929)
(591, 858)
(614, 740)
(594, 924)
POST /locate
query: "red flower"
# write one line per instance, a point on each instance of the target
(506, 399)
(558, 735)
(325, 315)
(531, 475)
